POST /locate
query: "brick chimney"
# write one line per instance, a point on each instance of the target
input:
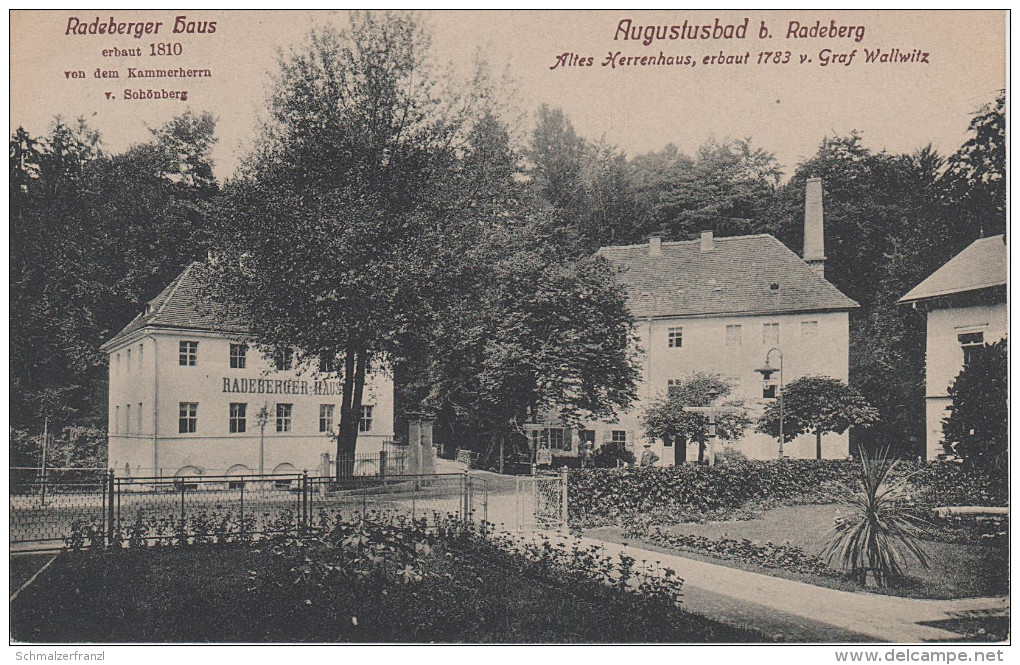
(814, 229)
(654, 246)
(707, 241)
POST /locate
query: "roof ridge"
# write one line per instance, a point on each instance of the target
(173, 291)
(694, 240)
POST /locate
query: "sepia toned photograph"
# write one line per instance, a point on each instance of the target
(509, 328)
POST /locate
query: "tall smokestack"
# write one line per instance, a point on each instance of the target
(814, 229)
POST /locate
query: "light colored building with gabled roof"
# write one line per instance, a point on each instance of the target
(186, 391)
(718, 305)
(965, 306)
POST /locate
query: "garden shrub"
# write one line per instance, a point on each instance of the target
(611, 455)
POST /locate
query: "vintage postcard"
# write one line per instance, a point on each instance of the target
(509, 327)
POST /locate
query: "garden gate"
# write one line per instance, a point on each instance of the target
(542, 500)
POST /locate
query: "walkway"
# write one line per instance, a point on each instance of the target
(806, 612)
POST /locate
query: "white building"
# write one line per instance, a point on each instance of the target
(965, 304)
(186, 392)
(718, 305)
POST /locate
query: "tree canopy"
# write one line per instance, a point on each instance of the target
(93, 236)
(666, 418)
(977, 428)
(817, 405)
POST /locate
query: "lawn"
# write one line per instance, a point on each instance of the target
(956, 570)
(231, 593)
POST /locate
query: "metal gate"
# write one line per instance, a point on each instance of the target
(542, 501)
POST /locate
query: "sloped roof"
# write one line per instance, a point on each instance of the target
(734, 277)
(980, 266)
(184, 303)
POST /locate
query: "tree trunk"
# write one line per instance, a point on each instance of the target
(701, 452)
(355, 365)
(818, 444)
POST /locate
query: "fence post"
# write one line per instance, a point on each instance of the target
(242, 509)
(109, 508)
(183, 522)
(382, 463)
(563, 507)
(303, 503)
(467, 495)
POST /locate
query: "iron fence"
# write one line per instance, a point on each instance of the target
(224, 506)
(44, 505)
(45, 512)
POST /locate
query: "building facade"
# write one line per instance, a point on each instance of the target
(718, 306)
(964, 303)
(188, 395)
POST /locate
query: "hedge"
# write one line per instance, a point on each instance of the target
(689, 491)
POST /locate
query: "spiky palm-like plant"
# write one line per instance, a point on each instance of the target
(878, 534)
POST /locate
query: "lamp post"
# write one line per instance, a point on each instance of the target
(711, 412)
(262, 417)
(767, 371)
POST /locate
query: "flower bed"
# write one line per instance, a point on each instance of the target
(765, 554)
(382, 578)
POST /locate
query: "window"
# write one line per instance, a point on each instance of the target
(284, 415)
(676, 337)
(284, 359)
(139, 430)
(327, 363)
(238, 417)
(116, 419)
(365, 424)
(732, 336)
(127, 420)
(556, 439)
(671, 384)
(808, 329)
(189, 353)
(117, 364)
(970, 342)
(188, 422)
(619, 436)
(128, 360)
(141, 347)
(770, 334)
(326, 418)
(769, 391)
(238, 356)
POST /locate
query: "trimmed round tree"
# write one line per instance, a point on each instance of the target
(666, 419)
(977, 428)
(817, 405)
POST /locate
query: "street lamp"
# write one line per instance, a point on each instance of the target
(767, 371)
(262, 417)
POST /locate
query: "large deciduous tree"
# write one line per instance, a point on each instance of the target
(338, 224)
(975, 180)
(817, 405)
(93, 236)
